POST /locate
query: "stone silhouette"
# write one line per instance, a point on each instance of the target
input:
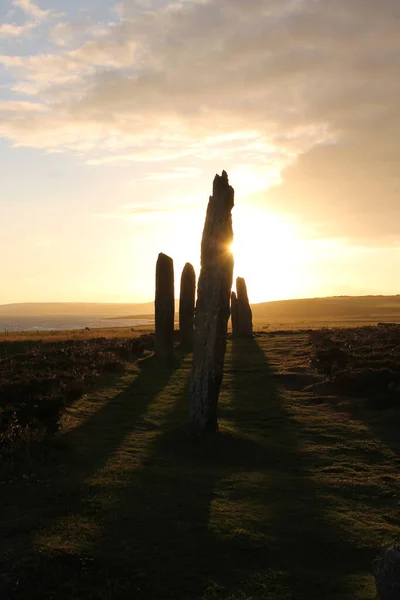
(212, 308)
(242, 317)
(164, 307)
(186, 306)
(234, 313)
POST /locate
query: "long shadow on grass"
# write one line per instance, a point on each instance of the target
(301, 541)
(99, 435)
(170, 536)
(91, 443)
(230, 516)
(159, 544)
(216, 518)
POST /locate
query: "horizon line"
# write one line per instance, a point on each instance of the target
(87, 302)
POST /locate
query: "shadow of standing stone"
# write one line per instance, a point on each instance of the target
(213, 307)
(164, 308)
(186, 307)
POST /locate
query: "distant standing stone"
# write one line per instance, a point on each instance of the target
(164, 307)
(186, 306)
(244, 314)
(212, 308)
(387, 574)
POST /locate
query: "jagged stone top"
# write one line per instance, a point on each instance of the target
(222, 188)
(217, 233)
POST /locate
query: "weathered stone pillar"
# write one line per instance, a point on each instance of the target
(212, 308)
(244, 314)
(234, 314)
(164, 307)
(186, 307)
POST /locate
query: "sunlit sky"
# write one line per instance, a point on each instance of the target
(115, 117)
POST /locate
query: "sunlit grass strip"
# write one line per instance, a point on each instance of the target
(77, 532)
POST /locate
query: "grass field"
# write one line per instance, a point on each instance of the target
(291, 500)
(76, 334)
(292, 323)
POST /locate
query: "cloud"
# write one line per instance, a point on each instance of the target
(35, 16)
(64, 33)
(173, 174)
(315, 81)
(142, 155)
(168, 208)
(16, 106)
(152, 148)
(76, 32)
(14, 31)
(31, 9)
(343, 189)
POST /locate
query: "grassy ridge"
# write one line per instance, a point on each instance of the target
(334, 307)
(362, 308)
(291, 500)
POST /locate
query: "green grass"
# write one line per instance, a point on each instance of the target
(291, 500)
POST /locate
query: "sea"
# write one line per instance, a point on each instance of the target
(65, 323)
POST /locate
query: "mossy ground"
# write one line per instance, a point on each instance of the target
(291, 500)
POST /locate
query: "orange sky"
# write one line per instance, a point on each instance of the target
(115, 117)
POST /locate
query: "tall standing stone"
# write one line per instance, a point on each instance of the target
(164, 307)
(234, 314)
(186, 306)
(212, 308)
(244, 314)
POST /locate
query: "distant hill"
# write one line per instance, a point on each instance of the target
(307, 308)
(337, 306)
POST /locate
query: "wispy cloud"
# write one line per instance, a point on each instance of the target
(173, 174)
(31, 9)
(35, 15)
(148, 152)
(158, 210)
(15, 31)
(16, 106)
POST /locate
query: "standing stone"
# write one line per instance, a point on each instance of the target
(244, 314)
(164, 307)
(212, 309)
(186, 307)
(234, 314)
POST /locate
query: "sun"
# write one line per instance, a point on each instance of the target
(269, 253)
(269, 250)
